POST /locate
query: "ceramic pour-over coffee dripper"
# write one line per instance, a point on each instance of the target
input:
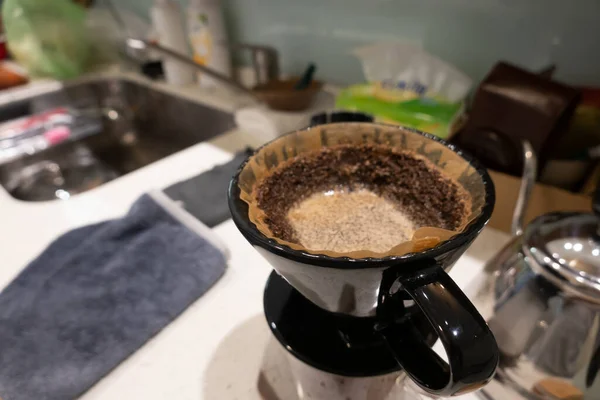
(378, 285)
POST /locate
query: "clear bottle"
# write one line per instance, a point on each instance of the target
(208, 38)
(168, 23)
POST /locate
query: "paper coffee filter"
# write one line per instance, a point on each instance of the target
(286, 147)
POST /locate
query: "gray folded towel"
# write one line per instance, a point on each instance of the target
(96, 295)
(205, 195)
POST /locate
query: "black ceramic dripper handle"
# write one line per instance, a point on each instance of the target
(470, 345)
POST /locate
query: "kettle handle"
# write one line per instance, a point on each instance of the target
(596, 210)
(470, 345)
(596, 200)
(527, 183)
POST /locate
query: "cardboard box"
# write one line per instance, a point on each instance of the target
(544, 199)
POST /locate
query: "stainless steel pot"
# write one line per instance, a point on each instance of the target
(547, 305)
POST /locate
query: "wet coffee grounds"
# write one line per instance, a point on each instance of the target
(352, 197)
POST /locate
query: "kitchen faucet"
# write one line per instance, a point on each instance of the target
(265, 59)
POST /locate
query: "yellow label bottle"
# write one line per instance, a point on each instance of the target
(208, 38)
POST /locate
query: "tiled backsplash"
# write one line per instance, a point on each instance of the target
(472, 35)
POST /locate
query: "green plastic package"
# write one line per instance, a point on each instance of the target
(427, 114)
(407, 86)
(49, 38)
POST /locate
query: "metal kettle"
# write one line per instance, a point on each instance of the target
(546, 296)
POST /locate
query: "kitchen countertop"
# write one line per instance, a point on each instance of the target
(187, 360)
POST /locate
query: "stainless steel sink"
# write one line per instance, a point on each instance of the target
(140, 125)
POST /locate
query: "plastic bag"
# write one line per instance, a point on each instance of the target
(406, 85)
(409, 71)
(49, 38)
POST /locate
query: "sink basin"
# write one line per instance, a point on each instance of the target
(138, 125)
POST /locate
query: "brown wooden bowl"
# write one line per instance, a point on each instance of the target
(280, 94)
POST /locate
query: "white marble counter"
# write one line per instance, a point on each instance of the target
(188, 359)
